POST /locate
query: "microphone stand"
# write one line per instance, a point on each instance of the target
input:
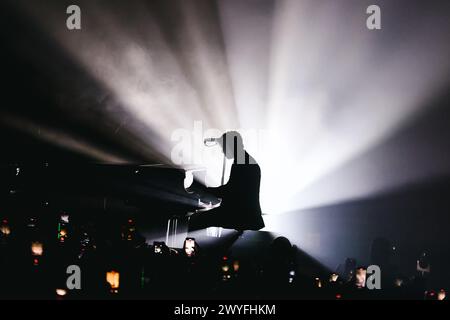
(223, 169)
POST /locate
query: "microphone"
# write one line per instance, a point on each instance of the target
(210, 141)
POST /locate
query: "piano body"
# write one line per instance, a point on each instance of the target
(156, 193)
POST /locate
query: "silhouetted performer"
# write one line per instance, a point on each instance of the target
(239, 208)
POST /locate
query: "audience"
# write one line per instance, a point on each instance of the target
(34, 266)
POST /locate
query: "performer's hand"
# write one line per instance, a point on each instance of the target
(204, 205)
(207, 206)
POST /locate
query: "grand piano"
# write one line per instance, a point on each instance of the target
(157, 186)
(161, 195)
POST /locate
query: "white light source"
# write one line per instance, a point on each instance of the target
(325, 88)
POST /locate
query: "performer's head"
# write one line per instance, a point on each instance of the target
(232, 145)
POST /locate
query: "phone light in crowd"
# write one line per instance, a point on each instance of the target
(64, 218)
(318, 283)
(441, 294)
(398, 282)
(160, 248)
(37, 248)
(61, 292)
(62, 234)
(63, 227)
(360, 277)
(113, 278)
(129, 231)
(5, 230)
(423, 264)
(190, 247)
(86, 244)
(236, 266)
(225, 271)
(32, 222)
(334, 277)
(430, 295)
(291, 276)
